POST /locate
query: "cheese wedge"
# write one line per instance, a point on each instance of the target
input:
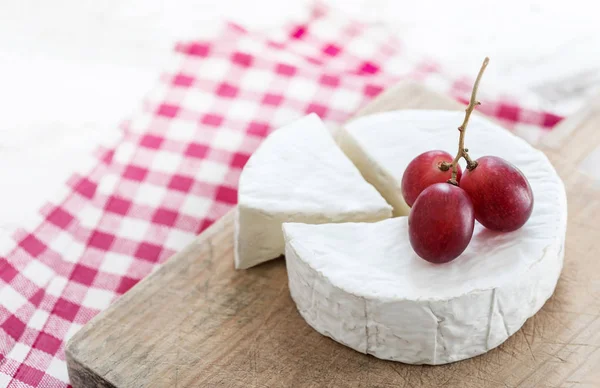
(298, 174)
(362, 284)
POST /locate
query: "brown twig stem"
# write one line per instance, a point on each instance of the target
(462, 151)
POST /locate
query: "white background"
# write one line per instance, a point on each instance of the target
(71, 70)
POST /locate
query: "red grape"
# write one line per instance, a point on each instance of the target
(501, 194)
(440, 224)
(423, 171)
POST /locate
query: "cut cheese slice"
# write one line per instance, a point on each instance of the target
(362, 284)
(298, 174)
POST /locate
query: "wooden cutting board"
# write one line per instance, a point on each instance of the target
(198, 322)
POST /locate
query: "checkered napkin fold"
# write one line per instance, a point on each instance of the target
(176, 168)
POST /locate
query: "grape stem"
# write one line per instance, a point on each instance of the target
(462, 151)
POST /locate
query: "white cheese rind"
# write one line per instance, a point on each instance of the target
(382, 145)
(409, 329)
(362, 284)
(298, 174)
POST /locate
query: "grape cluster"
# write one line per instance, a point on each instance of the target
(445, 202)
(441, 221)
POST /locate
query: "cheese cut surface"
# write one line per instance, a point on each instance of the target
(298, 174)
(362, 284)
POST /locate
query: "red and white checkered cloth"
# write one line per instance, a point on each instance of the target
(175, 171)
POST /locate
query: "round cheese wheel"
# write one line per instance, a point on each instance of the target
(362, 284)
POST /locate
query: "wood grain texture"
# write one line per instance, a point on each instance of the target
(196, 322)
